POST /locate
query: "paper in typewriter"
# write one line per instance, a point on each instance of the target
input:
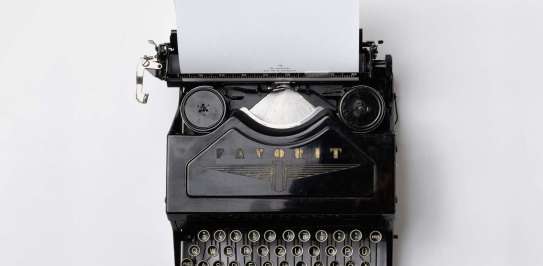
(267, 36)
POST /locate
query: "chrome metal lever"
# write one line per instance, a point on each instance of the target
(151, 64)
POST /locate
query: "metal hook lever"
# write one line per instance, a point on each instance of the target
(149, 63)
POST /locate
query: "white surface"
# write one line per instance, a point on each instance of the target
(261, 36)
(82, 173)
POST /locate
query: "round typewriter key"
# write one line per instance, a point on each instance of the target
(218, 263)
(202, 263)
(317, 263)
(263, 251)
(304, 235)
(219, 235)
(203, 109)
(314, 251)
(280, 251)
(288, 235)
(347, 251)
(253, 236)
(236, 236)
(321, 235)
(338, 236)
(376, 237)
(212, 251)
(229, 251)
(365, 263)
(267, 263)
(331, 251)
(355, 235)
(250, 263)
(187, 262)
(233, 263)
(334, 263)
(349, 263)
(246, 251)
(270, 236)
(297, 251)
(364, 251)
(283, 263)
(194, 250)
(203, 235)
(300, 263)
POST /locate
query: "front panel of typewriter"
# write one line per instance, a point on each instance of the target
(284, 174)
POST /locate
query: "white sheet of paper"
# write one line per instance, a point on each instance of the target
(267, 36)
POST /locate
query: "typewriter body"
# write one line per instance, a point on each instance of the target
(243, 190)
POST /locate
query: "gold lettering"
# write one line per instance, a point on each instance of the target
(240, 154)
(335, 152)
(259, 152)
(279, 153)
(317, 153)
(299, 153)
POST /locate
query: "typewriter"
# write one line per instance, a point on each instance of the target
(280, 169)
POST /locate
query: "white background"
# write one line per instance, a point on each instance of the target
(82, 165)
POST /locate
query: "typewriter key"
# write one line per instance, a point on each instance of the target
(233, 263)
(347, 251)
(283, 263)
(280, 251)
(203, 109)
(250, 263)
(246, 251)
(187, 262)
(236, 236)
(194, 250)
(229, 251)
(365, 263)
(212, 251)
(376, 237)
(321, 236)
(300, 263)
(267, 263)
(219, 235)
(314, 251)
(263, 251)
(269, 236)
(203, 235)
(355, 235)
(317, 263)
(202, 263)
(297, 251)
(288, 235)
(218, 263)
(349, 263)
(304, 235)
(331, 251)
(334, 263)
(253, 236)
(338, 236)
(364, 251)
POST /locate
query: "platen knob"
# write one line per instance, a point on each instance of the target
(203, 109)
(362, 109)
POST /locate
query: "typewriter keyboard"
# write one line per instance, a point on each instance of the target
(300, 247)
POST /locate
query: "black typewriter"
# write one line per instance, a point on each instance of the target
(280, 169)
